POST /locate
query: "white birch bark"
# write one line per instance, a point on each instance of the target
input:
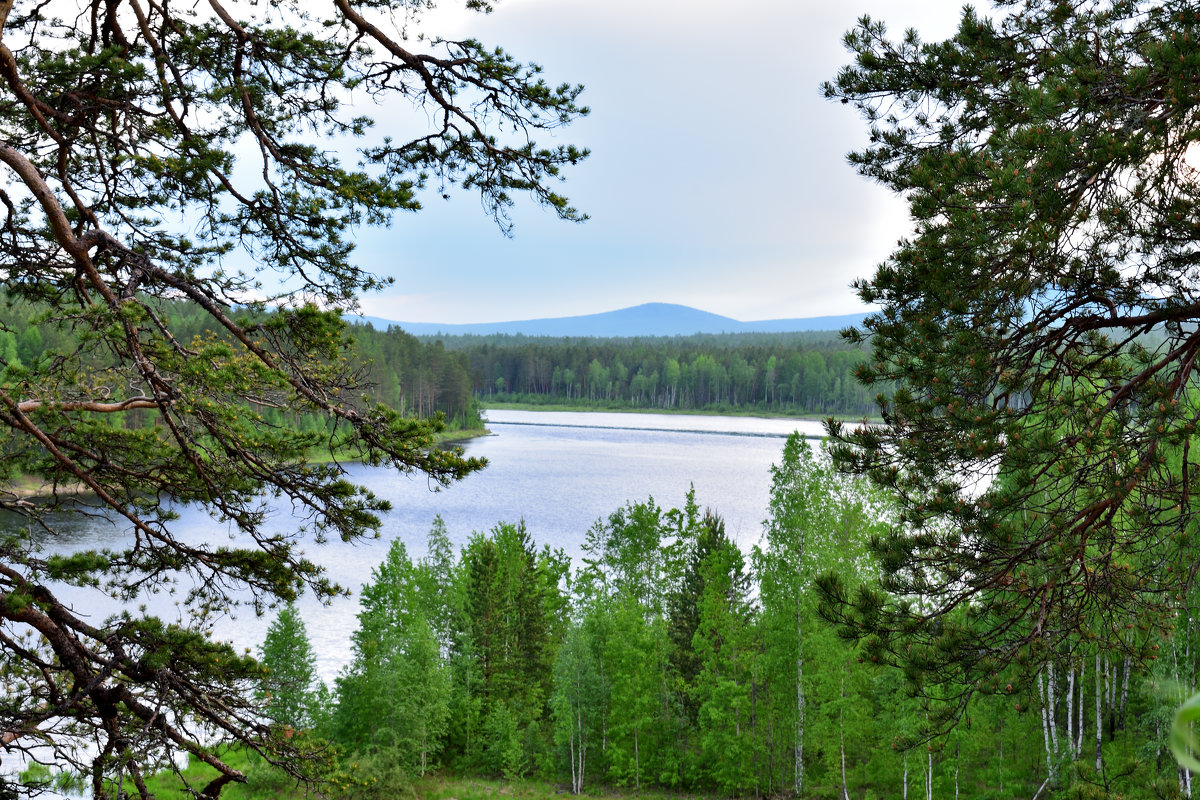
(1124, 696)
(578, 753)
(1051, 705)
(1071, 711)
(1045, 723)
(929, 775)
(637, 762)
(957, 752)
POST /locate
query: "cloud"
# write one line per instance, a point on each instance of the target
(718, 173)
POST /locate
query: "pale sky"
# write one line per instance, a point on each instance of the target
(717, 177)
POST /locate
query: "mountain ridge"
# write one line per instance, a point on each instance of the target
(647, 319)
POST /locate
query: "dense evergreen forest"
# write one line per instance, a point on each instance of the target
(397, 369)
(670, 658)
(792, 373)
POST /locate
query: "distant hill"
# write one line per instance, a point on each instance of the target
(649, 319)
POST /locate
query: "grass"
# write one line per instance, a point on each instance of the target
(449, 787)
(433, 786)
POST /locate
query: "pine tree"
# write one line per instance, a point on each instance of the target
(154, 154)
(1038, 325)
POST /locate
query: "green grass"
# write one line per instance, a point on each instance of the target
(448, 787)
(262, 785)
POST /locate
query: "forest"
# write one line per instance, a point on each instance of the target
(785, 374)
(992, 592)
(671, 659)
(398, 370)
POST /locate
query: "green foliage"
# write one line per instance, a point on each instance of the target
(612, 701)
(290, 672)
(726, 650)
(514, 618)
(38, 776)
(1037, 333)
(176, 259)
(577, 702)
(770, 373)
(394, 696)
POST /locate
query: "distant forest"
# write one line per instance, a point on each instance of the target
(794, 373)
(401, 371)
(786, 373)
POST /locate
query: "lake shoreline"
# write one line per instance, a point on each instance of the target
(671, 412)
(29, 488)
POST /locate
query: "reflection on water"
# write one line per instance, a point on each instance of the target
(559, 471)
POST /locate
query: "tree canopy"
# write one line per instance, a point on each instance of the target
(1040, 325)
(214, 154)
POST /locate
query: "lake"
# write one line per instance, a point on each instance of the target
(559, 471)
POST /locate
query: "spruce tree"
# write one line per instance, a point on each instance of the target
(289, 684)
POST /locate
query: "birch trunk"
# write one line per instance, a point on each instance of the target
(577, 753)
(1124, 696)
(637, 762)
(929, 775)
(1051, 705)
(1071, 711)
(956, 755)
(1045, 724)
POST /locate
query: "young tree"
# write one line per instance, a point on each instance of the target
(576, 702)
(514, 617)
(819, 523)
(726, 652)
(291, 671)
(394, 696)
(1039, 325)
(148, 150)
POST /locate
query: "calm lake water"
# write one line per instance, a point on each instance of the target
(559, 471)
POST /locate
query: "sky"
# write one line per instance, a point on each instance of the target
(717, 177)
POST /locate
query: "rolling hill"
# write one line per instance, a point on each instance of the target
(649, 319)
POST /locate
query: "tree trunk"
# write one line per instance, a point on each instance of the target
(1124, 696)
(957, 748)
(1045, 725)
(1071, 711)
(929, 774)
(1051, 706)
(637, 763)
